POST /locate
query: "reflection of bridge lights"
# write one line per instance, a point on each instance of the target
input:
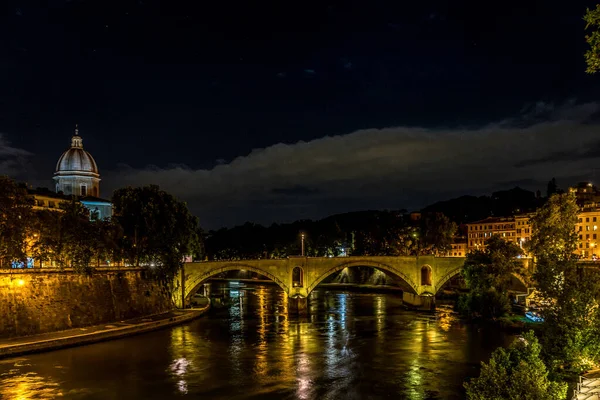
(304, 381)
(25, 386)
(261, 365)
(179, 367)
(343, 299)
(380, 312)
(415, 379)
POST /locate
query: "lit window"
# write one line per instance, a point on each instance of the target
(587, 228)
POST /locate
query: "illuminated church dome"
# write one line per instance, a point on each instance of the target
(76, 171)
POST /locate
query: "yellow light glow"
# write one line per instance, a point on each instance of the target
(20, 282)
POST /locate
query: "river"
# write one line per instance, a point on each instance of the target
(353, 346)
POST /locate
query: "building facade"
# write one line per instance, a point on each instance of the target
(586, 228)
(457, 249)
(480, 231)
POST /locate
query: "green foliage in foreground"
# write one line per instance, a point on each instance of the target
(488, 275)
(516, 373)
(570, 334)
(592, 56)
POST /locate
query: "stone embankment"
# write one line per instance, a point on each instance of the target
(44, 309)
(43, 300)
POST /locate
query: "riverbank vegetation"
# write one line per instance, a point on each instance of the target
(488, 274)
(568, 342)
(516, 373)
(149, 228)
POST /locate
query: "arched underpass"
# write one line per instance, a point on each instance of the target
(364, 278)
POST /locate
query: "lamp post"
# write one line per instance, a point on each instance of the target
(415, 235)
(302, 236)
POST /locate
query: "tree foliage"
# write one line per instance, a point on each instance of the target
(150, 227)
(158, 229)
(592, 55)
(437, 232)
(15, 218)
(488, 274)
(571, 337)
(516, 373)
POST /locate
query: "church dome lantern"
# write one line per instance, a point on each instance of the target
(76, 171)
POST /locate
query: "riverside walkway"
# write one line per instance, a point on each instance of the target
(80, 336)
(588, 387)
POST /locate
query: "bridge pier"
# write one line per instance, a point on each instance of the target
(422, 303)
(298, 306)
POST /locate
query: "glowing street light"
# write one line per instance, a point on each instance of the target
(302, 236)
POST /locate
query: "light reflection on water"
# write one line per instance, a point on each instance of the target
(353, 346)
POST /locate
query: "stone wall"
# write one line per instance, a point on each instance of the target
(46, 300)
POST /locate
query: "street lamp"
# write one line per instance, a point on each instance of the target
(302, 236)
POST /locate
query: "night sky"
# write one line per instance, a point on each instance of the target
(278, 111)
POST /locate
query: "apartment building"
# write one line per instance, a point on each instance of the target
(458, 249)
(480, 231)
(586, 228)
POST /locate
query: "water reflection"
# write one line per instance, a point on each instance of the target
(20, 383)
(353, 346)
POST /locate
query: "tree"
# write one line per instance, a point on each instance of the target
(437, 233)
(592, 55)
(158, 230)
(15, 221)
(77, 237)
(571, 338)
(488, 275)
(46, 235)
(107, 234)
(516, 373)
(405, 241)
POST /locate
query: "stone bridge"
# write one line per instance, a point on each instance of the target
(298, 276)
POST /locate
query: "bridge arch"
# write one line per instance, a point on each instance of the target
(193, 279)
(363, 263)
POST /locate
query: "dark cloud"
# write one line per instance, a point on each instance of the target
(396, 167)
(295, 191)
(12, 159)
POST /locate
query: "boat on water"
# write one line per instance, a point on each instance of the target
(533, 316)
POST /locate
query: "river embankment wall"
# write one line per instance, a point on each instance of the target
(34, 301)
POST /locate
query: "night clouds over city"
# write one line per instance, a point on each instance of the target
(276, 112)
